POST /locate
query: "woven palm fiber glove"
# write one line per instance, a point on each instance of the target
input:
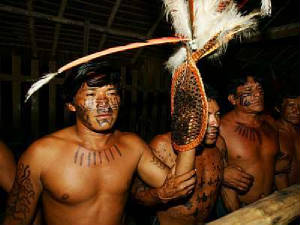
(188, 107)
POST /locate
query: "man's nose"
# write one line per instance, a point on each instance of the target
(213, 121)
(297, 110)
(102, 100)
(258, 93)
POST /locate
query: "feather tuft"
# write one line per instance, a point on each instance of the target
(266, 7)
(178, 12)
(41, 82)
(209, 21)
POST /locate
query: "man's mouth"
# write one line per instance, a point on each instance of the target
(104, 115)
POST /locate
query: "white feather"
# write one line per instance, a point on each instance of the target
(209, 22)
(41, 82)
(176, 59)
(178, 12)
(266, 7)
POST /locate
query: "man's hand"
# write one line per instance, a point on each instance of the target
(283, 163)
(176, 186)
(235, 177)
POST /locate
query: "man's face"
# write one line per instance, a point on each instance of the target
(291, 110)
(213, 123)
(97, 107)
(250, 97)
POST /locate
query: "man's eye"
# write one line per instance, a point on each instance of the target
(113, 93)
(218, 114)
(90, 94)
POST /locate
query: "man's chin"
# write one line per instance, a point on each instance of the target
(210, 142)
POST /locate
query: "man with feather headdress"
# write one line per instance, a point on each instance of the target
(82, 173)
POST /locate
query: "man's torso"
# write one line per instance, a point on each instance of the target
(254, 149)
(82, 186)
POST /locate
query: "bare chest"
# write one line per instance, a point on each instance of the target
(82, 175)
(248, 143)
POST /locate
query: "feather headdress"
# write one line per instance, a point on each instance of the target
(209, 21)
(206, 21)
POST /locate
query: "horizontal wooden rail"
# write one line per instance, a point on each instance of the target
(279, 208)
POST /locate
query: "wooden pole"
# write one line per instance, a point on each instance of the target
(31, 29)
(52, 98)
(86, 36)
(16, 91)
(109, 22)
(34, 101)
(61, 11)
(280, 208)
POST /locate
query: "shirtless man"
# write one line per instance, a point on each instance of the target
(289, 131)
(252, 144)
(7, 168)
(197, 205)
(82, 173)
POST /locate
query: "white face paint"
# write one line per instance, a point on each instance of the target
(97, 107)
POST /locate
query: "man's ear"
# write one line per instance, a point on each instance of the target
(70, 107)
(231, 99)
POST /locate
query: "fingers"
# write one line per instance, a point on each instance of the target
(171, 173)
(185, 176)
(186, 184)
(185, 187)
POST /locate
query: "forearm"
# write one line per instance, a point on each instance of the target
(230, 199)
(185, 162)
(144, 194)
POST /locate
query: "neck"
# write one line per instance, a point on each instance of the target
(247, 118)
(288, 125)
(91, 139)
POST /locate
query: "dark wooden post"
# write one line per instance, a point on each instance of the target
(16, 91)
(52, 98)
(34, 100)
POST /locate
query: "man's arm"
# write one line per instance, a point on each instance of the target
(173, 186)
(282, 167)
(26, 189)
(230, 199)
(234, 176)
(154, 171)
(7, 168)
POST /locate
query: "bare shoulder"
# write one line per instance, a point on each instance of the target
(131, 141)
(270, 121)
(5, 152)
(43, 149)
(162, 147)
(161, 139)
(227, 119)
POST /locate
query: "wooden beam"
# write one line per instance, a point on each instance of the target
(284, 31)
(117, 32)
(31, 28)
(86, 36)
(109, 22)
(148, 35)
(281, 207)
(61, 11)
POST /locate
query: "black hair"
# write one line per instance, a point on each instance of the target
(288, 91)
(241, 79)
(94, 74)
(210, 92)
